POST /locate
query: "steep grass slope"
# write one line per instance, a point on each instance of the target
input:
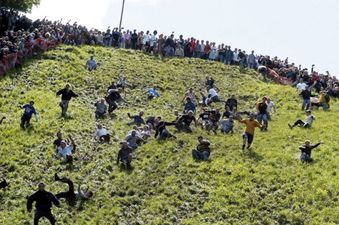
(265, 186)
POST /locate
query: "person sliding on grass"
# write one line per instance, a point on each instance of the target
(203, 151)
(304, 124)
(26, 117)
(66, 95)
(91, 64)
(66, 151)
(112, 98)
(125, 155)
(306, 150)
(102, 134)
(161, 130)
(101, 108)
(248, 134)
(71, 196)
(184, 122)
(43, 204)
(137, 119)
(57, 142)
(134, 139)
(189, 106)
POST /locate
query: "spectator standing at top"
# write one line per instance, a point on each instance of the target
(91, 64)
(301, 85)
(252, 62)
(43, 204)
(66, 95)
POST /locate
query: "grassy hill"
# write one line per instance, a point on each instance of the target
(267, 185)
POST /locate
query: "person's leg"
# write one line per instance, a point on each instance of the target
(62, 195)
(265, 121)
(196, 154)
(205, 155)
(244, 138)
(260, 118)
(68, 181)
(249, 140)
(50, 217)
(23, 121)
(37, 216)
(298, 123)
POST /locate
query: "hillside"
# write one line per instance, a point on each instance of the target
(267, 185)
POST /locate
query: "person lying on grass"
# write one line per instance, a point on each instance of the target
(306, 150)
(202, 151)
(304, 124)
(71, 196)
(137, 119)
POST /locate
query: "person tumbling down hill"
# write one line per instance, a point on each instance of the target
(161, 131)
(112, 98)
(91, 64)
(125, 155)
(304, 124)
(203, 151)
(71, 196)
(137, 119)
(152, 93)
(306, 150)
(184, 121)
(66, 151)
(66, 95)
(26, 117)
(102, 134)
(248, 134)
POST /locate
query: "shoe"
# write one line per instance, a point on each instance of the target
(289, 125)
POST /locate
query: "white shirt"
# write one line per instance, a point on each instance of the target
(269, 106)
(153, 40)
(101, 132)
(301, 86)
(65, 151)
(212, 92)
(309, 119)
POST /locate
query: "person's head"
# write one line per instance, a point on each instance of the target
(59, 135)
(88, 194)
(67, 86)
(227, 108)
(102, 101)
(252, 116)
(31, 103)
(232, 96)
(190, 89)
(146, 128)
(264, 98)
(92, 57)
(188, 99)
(123, 144)
(307, 142)
(99, 126)
(200, 138)
(134, 133)
(141, 113)
(41, 186)
(190, 113)
(63, 144)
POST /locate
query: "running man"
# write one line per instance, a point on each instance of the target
(26, 117)
(66, 95)
(248, 134)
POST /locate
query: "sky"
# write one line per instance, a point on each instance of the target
(305, 31)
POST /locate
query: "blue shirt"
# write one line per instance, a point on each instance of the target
(29, 110)
(189, 106)
(153, 92)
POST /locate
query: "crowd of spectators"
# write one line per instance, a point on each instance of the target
(21, 37)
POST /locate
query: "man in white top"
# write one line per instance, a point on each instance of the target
(213, 95)
(91, 64)
(153, 41)
(301, 85)
(304, 124)
(65, 151)
(270, 106)
(102, 134)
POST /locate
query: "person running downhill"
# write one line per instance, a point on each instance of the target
(43, 204)
(125, 155)
(262, 113)
(26, 117)
(71, 196)
(306, 150)
(248, 134)
(66, 95)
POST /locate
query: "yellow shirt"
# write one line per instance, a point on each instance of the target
(322, 97)
(250, 125)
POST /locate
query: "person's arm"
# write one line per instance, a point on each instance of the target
(2, 119)
(316, 145)
(55, 200)
(119, 156)
(30, 201)
(59, 92)
(195, 121)
(73, 143)
(80, 193)
(73, 94)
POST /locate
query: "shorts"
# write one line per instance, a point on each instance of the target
(249, 137)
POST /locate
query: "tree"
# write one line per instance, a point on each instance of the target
(20, 5)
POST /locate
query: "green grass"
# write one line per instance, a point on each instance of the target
(265, 186)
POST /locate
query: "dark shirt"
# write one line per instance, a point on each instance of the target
(124, 153)
(215, 117)
(138, 119)
(204, 116)
(308, 150)
(43, 201)
(262, 107)
(66, 95)
(189, 106)
(232, 103)
(306, 94)
(227, 114)
(29, 110)
(204, 145)
(186, 119)
(161, 126)
(57, 142)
